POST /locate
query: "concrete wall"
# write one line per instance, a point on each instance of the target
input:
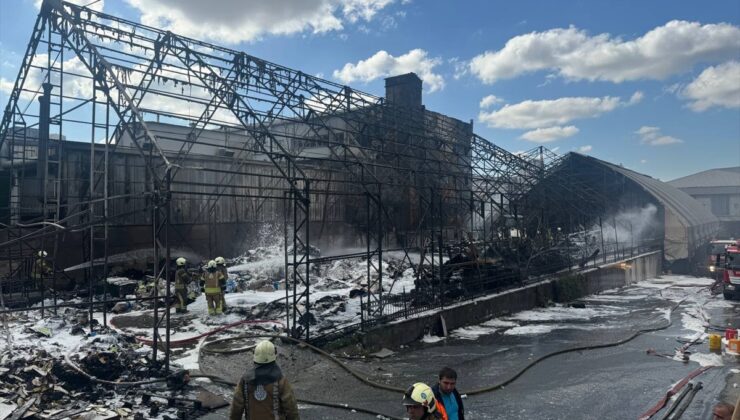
(565, 288)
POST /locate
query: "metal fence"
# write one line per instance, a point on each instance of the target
(409, 304)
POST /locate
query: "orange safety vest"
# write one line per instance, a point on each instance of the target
(441, 410)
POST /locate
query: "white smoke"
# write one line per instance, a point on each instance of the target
(629, 227)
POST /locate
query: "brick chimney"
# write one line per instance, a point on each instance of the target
(404, 90)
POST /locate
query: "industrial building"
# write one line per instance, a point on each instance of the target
(163, 146)
(718, 190)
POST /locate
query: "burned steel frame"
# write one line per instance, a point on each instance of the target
(421, 176)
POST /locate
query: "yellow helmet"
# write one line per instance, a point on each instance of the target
(211, 264)
(420, 394)
(265, 352)
(220, 260)
(181, 261)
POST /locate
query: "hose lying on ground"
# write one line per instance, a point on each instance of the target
(671, 392)
(354, 373)
(361, 377)
(192, 340)
(217, 379)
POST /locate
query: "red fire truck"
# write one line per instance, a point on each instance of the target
(731, 275)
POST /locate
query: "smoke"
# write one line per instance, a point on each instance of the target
(630, 226)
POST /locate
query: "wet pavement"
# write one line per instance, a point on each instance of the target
(618, 382)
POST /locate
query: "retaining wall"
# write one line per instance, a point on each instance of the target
(564, 288)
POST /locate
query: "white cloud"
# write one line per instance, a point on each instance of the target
(653, 137)
(355, 10)
(643, 161)
(636, 98)
(382, 64)
(547, 113)
(461, 67)
(715, 86)
(234, 21)
(76, 86)
(574, 54)
(489, 100)
(585, 149)
(546, 135)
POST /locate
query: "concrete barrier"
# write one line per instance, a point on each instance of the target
(563, 288)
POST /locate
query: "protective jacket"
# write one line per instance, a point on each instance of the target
(40, 269)
(264, 393)
(438, 397)
(182, 279)
(213, 281)
(224, 272)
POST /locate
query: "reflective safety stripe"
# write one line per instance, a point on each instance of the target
(213, 290)
(275, 400)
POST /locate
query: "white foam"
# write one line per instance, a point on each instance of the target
(530, 329)
(707, 359)
(431, 339)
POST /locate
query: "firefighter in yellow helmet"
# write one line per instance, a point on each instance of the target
(221, 266)
(212, 279)
(421, 404)
(182, 280)
(264, 393)
(41, 270)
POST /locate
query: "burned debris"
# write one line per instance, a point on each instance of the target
(335, 211)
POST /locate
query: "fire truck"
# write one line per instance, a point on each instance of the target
(731, 275)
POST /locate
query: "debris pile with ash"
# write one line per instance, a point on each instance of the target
(36, 380)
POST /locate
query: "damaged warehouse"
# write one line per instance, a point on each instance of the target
(338, 211)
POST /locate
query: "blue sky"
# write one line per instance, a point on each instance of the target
(652, 85)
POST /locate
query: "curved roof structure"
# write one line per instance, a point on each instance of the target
(683, 204)
(688, 224)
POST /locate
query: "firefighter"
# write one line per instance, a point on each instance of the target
(41, 270)
(182, 280)
(421, 404)
(264, 393)
(221, 266)
(213, 288)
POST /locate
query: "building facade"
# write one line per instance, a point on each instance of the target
(718, 190)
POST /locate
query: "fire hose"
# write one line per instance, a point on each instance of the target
(362, 378)
(217, 379)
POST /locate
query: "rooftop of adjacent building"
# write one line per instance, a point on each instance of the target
(719, 177)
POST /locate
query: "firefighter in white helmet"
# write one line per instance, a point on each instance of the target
(221, 266)
(264, 393)
(182, 280)
(421, 404)
(213, 289)
(41, 270)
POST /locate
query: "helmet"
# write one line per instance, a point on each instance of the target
(211, 264)
(265, 352)
(220, 260)
(181, 261)
(420, 394)
(43, 254)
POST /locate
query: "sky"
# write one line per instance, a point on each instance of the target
(652, 85)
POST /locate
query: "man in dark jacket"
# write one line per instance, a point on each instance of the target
(446, 393)
(264, 393)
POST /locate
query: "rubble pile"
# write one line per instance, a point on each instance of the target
(37, 382)
(337, 285)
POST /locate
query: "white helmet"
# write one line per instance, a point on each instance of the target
(211, 264)
(220, 260)
(43, 254)
(265, 352)
(420, 394)
(181, 261)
